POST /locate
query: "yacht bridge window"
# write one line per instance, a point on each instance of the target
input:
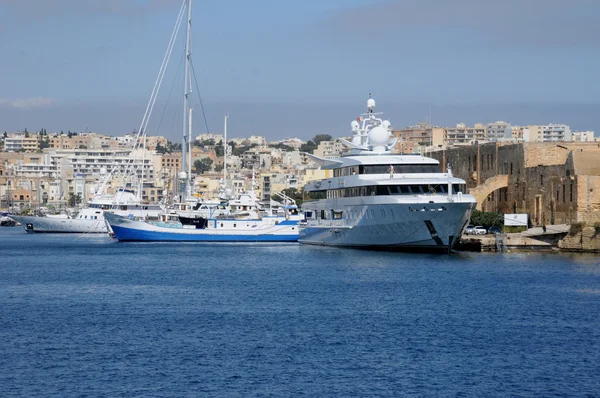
(386, 168)
(378, 190)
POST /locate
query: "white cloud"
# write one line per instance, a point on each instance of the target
(28, 103)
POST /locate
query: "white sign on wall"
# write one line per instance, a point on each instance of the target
(519, 220)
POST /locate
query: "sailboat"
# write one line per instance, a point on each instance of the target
(247, 222)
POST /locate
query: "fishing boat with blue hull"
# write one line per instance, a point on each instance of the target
(248, 221)
(268, 229)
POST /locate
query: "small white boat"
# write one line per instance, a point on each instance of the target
(91, 218)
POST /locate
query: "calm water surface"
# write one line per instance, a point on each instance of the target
(89, 316)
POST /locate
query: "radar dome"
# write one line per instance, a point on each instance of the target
(93, 190)
(355, 126)
(182, 175)
(103, 171)
(371, 103)
(386, 124)
(378, 138)
(228, 192)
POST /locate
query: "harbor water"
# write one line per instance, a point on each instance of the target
(89, 316)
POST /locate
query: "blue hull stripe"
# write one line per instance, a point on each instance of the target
(129, 234)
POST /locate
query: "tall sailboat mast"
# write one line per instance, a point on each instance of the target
(186, 147)
(225, 149)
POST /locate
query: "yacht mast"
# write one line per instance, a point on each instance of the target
(225, 149)
(187, 89)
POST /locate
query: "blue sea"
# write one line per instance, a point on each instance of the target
(86, 316)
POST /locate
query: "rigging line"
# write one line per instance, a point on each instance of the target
(199, 97)
(165, 62)
(155, 90)
(170, 92)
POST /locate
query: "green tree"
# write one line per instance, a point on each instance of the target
(317, 139)
(160, 149)
(173, 146)
(219, 149)
(44, 142)
(239, 150)
(487, 219)
(219, 168)
(74, 200)
(309, 147)
(284, 147)
(202, 165)
(5, 134)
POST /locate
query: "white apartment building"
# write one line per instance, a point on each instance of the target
(583, 136)
(292, 142)
(548, 133)
(210, 136)
(499, 131)
(120, 162)
(462, 134)
(257, 139)
(19, 143)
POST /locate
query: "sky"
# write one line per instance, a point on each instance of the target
(299, 67)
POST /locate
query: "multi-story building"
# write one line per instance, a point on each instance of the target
(257, 140)
(256, 159)
(412, 137)
(583, 136)
(499, 131)
(517, 133)
(461, 134)
(292, 142)
(207, 137)
(547, 133)
(330, 149)
(172, 161)
(21, 143)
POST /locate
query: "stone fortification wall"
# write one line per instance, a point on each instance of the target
(549, 154)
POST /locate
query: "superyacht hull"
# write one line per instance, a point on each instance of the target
(423, 227)
(126, 230)
(61, 225)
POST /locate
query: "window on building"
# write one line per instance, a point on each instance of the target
(571, 192)
(541, 179)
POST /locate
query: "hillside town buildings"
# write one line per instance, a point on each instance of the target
(546, 171)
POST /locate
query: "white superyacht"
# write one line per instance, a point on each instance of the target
(383, 201)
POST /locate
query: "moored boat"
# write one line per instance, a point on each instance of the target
(379, 200)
